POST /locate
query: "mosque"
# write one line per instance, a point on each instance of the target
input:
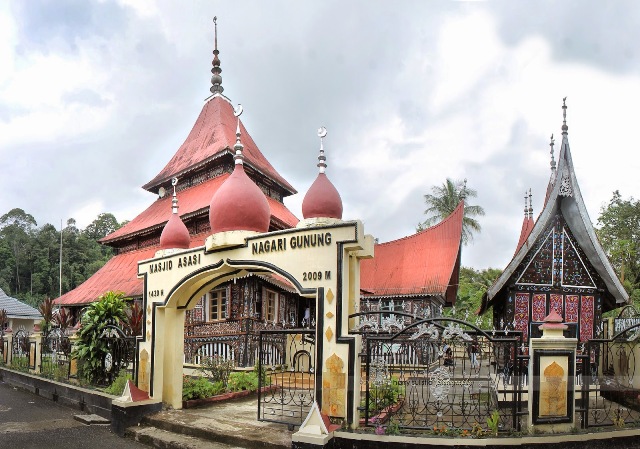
(219, 181)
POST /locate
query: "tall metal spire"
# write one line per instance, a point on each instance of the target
(238, 147)
(216, 78)
(565, 128)
(526, 209)
(322, 160)
(530, 204)
(174, 200)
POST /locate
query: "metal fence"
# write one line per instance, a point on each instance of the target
(439, 373)
(608, 391)
(55, 351)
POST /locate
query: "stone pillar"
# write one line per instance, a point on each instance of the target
(34, 359)
(552, 374)
(169, 356)
(8, 338)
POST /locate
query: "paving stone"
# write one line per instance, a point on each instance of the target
(91, 419)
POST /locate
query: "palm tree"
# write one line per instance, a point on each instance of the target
(443, 201)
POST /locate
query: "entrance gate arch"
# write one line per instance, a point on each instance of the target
(320, 258)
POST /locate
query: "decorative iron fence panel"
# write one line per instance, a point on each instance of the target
(21, 351)
(609, 387)
(286, 359)
(121, 353)
(55, 350)
(439, 373)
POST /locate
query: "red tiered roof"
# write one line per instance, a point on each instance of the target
(120, 273)
(527, 227)
(213, 134)
(422, 264)
(192, 200)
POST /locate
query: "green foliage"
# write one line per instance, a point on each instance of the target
(493, 421)
(443, 201)
(619, 232)
(261, 373)
(473, 284)
(117, 386)
(243, 380)
(216, 368)
(29, 255)
(198, 388)
(20, 363)
(52, 370)
(90, 348)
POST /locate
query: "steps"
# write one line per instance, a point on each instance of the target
(163, 439)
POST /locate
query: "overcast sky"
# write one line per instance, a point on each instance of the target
(96, 96)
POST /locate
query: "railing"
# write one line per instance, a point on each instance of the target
(442, 373)
(236, 340)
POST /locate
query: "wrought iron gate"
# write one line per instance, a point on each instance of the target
(286, 363)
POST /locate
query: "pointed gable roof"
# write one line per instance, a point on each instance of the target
(565, 197)
(422, 264)
(212, 136)
(17, 309)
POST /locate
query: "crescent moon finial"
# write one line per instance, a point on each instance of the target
(174, 181)
(322, 132)
(237, 111)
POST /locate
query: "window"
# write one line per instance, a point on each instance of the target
(270, 305)
(217, 305)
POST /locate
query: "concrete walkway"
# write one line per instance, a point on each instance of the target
(224, 424)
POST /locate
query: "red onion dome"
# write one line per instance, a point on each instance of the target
(175, 234)
(322, 200)
(239, 205)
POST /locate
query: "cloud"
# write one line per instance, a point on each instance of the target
(96, 98)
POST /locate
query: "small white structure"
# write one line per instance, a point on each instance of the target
(19, 314)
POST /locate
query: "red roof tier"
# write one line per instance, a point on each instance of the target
(422, 264)
(193, 199)
(214, 134)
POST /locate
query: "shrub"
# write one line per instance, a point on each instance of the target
(117, 386)
(90, 348)
(216, 368)
(243, 380)
(199, 388)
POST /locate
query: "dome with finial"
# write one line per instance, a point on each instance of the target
(239, 204)
(175, 234)
(322, 199)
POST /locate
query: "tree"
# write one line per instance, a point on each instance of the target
(619, 232)
(102, 226)
(17, 227)
(471, 286)
(443, 201)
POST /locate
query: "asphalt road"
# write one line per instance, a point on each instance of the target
(28, 421)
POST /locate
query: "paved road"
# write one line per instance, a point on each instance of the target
(28, 421)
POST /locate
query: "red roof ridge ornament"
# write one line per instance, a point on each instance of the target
(175, 234)
(239, 204)
(322, 201)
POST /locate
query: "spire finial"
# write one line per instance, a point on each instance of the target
(565, 128)
(553, 161)
(216, 78)
(174, 201)
(526, 210)
(322, 160)
(463, 191)
(530, 204)
(238, 147)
